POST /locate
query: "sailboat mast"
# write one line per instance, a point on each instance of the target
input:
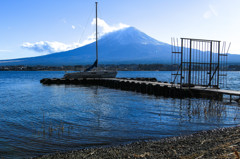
(96, 35)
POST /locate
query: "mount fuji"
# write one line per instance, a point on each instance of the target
(125, 46)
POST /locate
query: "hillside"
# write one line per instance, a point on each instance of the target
(124, 46)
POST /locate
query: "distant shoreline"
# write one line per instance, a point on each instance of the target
(120, 67)
(123, 67)
(217, 143)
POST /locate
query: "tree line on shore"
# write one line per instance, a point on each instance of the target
(120, 67)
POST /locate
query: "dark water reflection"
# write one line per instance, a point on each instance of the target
(37, 119)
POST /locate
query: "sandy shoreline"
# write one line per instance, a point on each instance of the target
(217, 143)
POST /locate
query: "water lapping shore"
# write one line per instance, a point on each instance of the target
(38, 120)
(217, 143)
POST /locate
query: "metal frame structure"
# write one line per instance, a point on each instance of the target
(199, 62)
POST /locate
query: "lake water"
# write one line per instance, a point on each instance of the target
(36, 119)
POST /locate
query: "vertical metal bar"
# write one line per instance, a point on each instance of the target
(218, 65)
(190, 63)
(187, 68)
(196, 60)
(178, 80)
(204, 71)
(185, 59)
(171, 61)
(226, 61)
(174, 59)
(96, 35)
(210, 69)
(197, 63)
(193, 68)
(199, 66)
(181, 63)
(222, 64)
(213, 60)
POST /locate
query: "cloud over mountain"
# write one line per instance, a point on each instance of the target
(106, 28)
(55, 46)
(124, 46)
(50, 47)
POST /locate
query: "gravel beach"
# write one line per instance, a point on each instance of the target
(217, 143)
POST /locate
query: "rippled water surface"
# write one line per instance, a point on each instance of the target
(37, 119)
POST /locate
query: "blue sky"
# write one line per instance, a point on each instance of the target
(37, 27)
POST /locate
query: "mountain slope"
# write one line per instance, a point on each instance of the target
(128, 45)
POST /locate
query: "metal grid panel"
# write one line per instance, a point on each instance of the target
(199, 62)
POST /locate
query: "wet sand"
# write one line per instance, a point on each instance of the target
(217, 143)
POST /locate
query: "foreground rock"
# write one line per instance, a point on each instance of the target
(219, 143)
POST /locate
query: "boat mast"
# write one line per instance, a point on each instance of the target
(96, 36)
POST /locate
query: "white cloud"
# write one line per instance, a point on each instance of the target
(210, 12)
(103, 28)
(106, 28)
(51, 47)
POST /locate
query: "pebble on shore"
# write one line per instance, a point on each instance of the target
(217, 143)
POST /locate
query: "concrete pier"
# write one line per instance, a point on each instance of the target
(147, 86)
